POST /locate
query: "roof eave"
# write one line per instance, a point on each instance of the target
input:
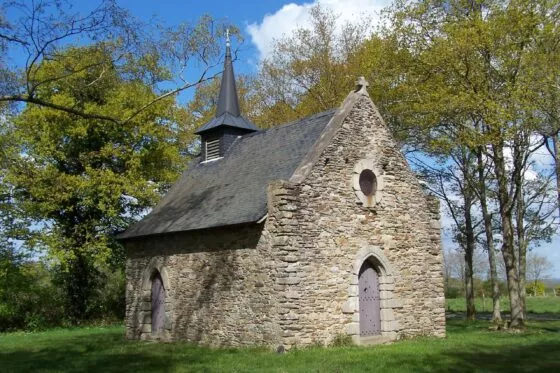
(122, 237)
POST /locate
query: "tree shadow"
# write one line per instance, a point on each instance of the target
(101, 352)
(537, 357)
(484, 355)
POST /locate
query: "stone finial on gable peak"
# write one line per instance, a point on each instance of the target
(361, 86)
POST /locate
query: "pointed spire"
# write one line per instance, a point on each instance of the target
(227, 101)
(227, 112)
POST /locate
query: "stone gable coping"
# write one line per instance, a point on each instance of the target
(306, 165)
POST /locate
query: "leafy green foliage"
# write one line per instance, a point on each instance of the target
(536, 288)
(467, 88)
(81, 180)
(309, 71)
(28, 298)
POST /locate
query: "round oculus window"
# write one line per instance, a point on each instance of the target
(368, 183)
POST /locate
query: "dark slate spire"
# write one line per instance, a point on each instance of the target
(227, 112)
(227, 102)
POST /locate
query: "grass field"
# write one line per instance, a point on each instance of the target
(538, 305)
(468, 348)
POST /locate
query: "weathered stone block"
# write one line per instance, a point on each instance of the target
(353, 328)
(289, 258)
(351, 305)
(386, 287)
(289, 281)
(146, 328)
(387, 314)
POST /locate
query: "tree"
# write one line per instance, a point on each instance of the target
(450, 182)
(545, 98)
(481, 188)
(534, 217)
(311, 70)
(471, 61)
(536, 288)
(538, 267)
(79, 179)
(41, 30)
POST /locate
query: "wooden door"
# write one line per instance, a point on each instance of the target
(158, 305)
(370, 310)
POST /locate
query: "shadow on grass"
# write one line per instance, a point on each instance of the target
(537, 357)
(476, 349)
(100, 352)
(470, 348)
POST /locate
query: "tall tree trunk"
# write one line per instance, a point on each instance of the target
(470, 243)
(522, 250)
(469, 283)
(496, 314)
(521, 144)
(508, 248)
(556, 153)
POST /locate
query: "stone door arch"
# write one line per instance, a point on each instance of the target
(158, 304)
(372, 261)
(369, 300)
(155, 320)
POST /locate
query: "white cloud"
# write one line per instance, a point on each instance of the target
(291, 16)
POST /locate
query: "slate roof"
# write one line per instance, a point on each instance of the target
(232, 190)
(227, 119)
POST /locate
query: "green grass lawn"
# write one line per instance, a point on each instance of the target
(534, 305)
(468, 348)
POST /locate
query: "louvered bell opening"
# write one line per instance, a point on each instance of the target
(212, 149)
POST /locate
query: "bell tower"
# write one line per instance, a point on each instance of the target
(228, 123)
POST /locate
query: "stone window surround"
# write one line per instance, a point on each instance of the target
(145, 314)
(367, 164)
(389, 326)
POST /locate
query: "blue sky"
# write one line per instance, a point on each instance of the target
(261, 22)
(241, 13)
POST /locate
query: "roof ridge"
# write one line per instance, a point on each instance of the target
(292, 123)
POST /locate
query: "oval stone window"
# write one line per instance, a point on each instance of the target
(368, 182)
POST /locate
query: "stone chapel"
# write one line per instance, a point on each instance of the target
(293, 235)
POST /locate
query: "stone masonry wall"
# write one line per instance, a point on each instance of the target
(293, 280)
(323, 233)
(219, 286)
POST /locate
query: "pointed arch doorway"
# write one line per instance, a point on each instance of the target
(369, 300)
(158, 304)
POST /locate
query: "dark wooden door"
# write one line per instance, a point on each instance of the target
(370, 318)
(158, 305)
